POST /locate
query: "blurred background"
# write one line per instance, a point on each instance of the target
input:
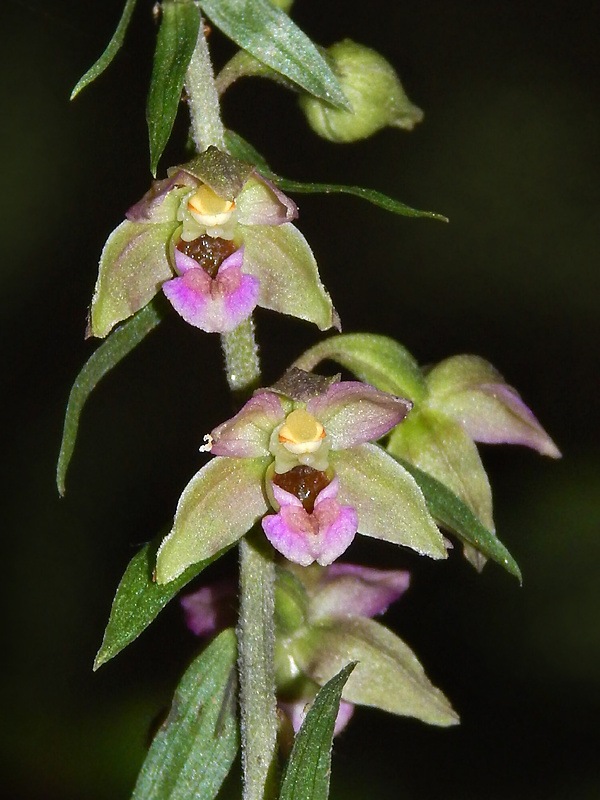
(508, 151)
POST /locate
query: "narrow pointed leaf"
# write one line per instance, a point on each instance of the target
(120, 342)
(139, 600)
(244, 150)
(307, 772)
(374, 359)
(218, 506)
(111, 51)
(388, 674)
(194, 749)
(177, 37)
(387, 499)
(265, 31)
(455, 515)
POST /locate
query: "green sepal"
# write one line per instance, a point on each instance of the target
(281, 258)
(195, 747)
(133, 266)
(111, 51)
(218, 506)
(442, 448)
(244, 150)
(269, 34)
(374, 359)
(139, 600)
(456, 516)
(223, 173)
(177, 37)
(387, 499)
(308, 769)
(120, 342)
(388, 675)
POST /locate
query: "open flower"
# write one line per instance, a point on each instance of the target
(301, 454)
(323, 618)
(236, 228)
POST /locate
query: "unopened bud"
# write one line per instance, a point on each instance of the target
(372, 88)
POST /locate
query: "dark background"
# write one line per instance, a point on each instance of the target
(509, 151)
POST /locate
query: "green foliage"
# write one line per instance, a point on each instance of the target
(307, 772)
(111, 51)
(455, 515)
(242, 149)
(193, 751)
(120, 342)
(265, 31)
(175, 44)
(139, 600)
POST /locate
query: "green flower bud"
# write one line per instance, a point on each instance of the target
(374, 91)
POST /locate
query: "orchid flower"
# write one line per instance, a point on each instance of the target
(219, 240)
(299, 458)
(324, 615)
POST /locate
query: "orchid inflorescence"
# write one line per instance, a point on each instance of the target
(306, 463)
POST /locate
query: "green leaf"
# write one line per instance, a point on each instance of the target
(269, 34)
(111, 51)
(195, 747)
(450, 511)
(120, 342)
(388, 674)
(307, 772)
(374, 359)
(240, 148)
(387, 499)
(281, 258)
(139, 600)
(175, 44)
(218, 506)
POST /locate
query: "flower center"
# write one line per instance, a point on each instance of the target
(207, 208)
(303, 482)
(208, 251)
(301, 432)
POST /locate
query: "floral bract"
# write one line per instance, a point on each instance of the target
(218, 239)
(308, 464)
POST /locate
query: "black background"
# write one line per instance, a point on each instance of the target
(509, 151)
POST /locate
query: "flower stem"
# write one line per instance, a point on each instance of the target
(203, 100)
(256, 636)
(241, 358)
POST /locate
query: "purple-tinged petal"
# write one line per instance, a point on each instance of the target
(215, 305)
(304, 538)
(473, 393)
(261, 203)
(296, 711)
(353, 590)
(353, 413)
(152, 206)
(247, 434)
(212, 608)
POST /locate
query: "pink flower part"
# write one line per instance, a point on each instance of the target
(215, 305)
(212, 608)
(145, 210)
(247, 434)
(304, 538)
(296, 711)
(352, 590)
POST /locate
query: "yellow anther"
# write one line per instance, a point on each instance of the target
(208, 208)
(301, 432)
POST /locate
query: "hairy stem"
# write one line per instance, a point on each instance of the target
(241, 358)
(256, 636)
(203, 100)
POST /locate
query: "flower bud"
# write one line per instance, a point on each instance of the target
(374, 91)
